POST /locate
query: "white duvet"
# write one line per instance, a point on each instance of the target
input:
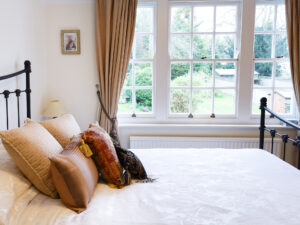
(194, 186)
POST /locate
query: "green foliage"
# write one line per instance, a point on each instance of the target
(202, 46)
(181, 18)
(263, 45)
(179, 69)
(281, 47)
(144, 98)
(143, 74)
(179, 101)
(224, 47)
(143, 47)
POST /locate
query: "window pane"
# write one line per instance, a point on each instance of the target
(202, 74)
(144, 20)
(224, 46)
(202, 101)
(202, 45)
(263, 74)
(144, 101)
(180, 19)
(281, 48)
(125, 102)
(144, 46)
(262, 45)
(257, 95)
(180, 74)
(225, 74)
(180, 46)
(128, 78)
(203, 19)
(264, 17)
(281, 20)
(283, 75)
(143, 74)
(179, 101)
(224, 101)
(282, 101)
(226, 18)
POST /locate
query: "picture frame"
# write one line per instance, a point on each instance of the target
(70, 42)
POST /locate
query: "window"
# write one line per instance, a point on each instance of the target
(203, 72)
(207, 62)
(271, 77)
(137, 92)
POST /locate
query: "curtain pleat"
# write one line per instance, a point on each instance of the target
(293, 29)
(115, 25)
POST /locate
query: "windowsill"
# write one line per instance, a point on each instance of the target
(200, 126)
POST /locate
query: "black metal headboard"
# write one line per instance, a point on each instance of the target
(17, 92)
(285, 138)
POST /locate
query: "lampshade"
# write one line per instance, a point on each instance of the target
(54, 109)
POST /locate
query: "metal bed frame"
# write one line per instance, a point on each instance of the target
(17, 92)
(285, 138)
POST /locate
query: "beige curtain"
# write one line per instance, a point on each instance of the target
(115, 24)
(293, 29)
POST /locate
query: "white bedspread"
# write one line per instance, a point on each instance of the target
(194, 186)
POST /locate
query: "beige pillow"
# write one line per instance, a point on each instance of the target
(74, 176)
(62, 128)
(30, 146)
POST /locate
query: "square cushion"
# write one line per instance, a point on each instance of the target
(104, 155)
(62, 128)
(29, 147)
(74, 176)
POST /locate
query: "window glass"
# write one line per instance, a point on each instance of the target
(272, 77)
(137, 92)
(203, 40)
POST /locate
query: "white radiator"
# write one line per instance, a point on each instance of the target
(143, 142)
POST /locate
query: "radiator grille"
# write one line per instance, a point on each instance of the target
(144, 142)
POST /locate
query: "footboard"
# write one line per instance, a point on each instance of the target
(285, 138)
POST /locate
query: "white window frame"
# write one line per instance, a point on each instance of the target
(161, 70)
(274, 60)
(212, 60)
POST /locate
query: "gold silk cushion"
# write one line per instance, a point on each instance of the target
(30, 148)
(62, 128)
(74, 176)
(104, 155)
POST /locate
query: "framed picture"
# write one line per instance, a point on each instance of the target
(70, 41)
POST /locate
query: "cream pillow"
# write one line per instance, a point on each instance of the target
(30, 148)
(62, 128)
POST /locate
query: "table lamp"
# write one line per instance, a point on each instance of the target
(54, 109)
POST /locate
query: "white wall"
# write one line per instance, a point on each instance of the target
(21, 38)
(72, 78)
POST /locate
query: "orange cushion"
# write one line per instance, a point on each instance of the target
(104, 155)
(74, 176)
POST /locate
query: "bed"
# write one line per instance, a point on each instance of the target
(193, 186)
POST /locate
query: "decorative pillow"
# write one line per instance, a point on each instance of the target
(74, 176)
(104, 155)
(30, 146)
(62, 128)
